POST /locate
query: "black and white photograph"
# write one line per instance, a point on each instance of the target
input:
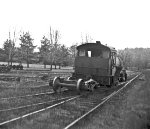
(74, 64)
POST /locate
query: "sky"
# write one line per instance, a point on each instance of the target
(118, 23)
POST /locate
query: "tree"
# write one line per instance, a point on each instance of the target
(44, 50)
(73, 53)
(125, 56)
(63, 57)
(54, 50)
(9, 50)
(27, 47)
(19, 55)
(135, 57)
(86, 39)
(2, 53)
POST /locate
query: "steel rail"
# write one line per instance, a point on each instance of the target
(114, 91)
(38, 111)
(35, 104)
(38, 86)
(29, 86)
(106, 99)
(109, 95)
(29, 95)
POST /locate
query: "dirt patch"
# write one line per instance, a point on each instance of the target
(129, 109)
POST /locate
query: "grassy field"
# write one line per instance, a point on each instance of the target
(128, 110)
(40, 66)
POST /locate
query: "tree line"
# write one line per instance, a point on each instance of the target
(51, 52)
(135, 57)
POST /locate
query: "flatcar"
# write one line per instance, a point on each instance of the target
(96, 62)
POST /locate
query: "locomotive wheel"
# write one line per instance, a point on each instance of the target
(69, 78)
(80, 84)
(56, 86)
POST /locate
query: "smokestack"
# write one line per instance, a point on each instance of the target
(98, 42)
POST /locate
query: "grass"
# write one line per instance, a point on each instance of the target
(40, 66)
(128, 110)
(110, 118)
(14, 88)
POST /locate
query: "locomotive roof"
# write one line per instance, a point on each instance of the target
(96, 45)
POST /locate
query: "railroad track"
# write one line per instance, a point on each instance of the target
(5, 123)
(31, 95)
(103, 100)
(25, 87)
(79, 106)
(28, 95)
(14, 92)
(32, 105)
(22, 109)
(4, 101)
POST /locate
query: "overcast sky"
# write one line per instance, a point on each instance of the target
(117, 23)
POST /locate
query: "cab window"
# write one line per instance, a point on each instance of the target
(81, 53)
(96, 53)
(89, 53)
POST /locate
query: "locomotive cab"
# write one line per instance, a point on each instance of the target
(99, 62)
